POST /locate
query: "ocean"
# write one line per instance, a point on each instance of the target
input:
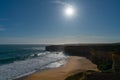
(20, 60)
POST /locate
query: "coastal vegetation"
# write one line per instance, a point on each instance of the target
(94, 76)
(105, 56)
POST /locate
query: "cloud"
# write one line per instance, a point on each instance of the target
(61, 2)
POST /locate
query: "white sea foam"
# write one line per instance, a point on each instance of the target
(43, 53)
(56, 64)
(22, 68)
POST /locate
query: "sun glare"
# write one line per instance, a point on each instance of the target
(69, 11)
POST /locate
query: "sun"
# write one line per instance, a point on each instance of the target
(69, 11)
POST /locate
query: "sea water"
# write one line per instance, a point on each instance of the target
(20, 60)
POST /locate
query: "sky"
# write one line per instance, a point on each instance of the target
(44, 21)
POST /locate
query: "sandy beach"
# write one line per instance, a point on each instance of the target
(74, 65)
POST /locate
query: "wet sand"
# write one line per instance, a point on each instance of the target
(75, 64)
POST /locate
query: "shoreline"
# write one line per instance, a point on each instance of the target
(74, 65)
(22, 77)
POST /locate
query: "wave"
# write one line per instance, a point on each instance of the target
(43, 61)
(35, 48)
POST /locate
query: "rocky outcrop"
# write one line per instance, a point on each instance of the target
(116, 62)
(106, 56)
(94, 76)
(55, 48)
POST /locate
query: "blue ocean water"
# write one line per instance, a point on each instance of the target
(21, 60)
(11, 53)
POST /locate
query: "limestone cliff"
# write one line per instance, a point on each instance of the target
(106, 56)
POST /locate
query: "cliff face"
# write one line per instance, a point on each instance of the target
(55, 48)
(106, 56)
(98, 54)
(94, 76)
(116, 62)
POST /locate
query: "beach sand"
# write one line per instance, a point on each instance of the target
(75, 64)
